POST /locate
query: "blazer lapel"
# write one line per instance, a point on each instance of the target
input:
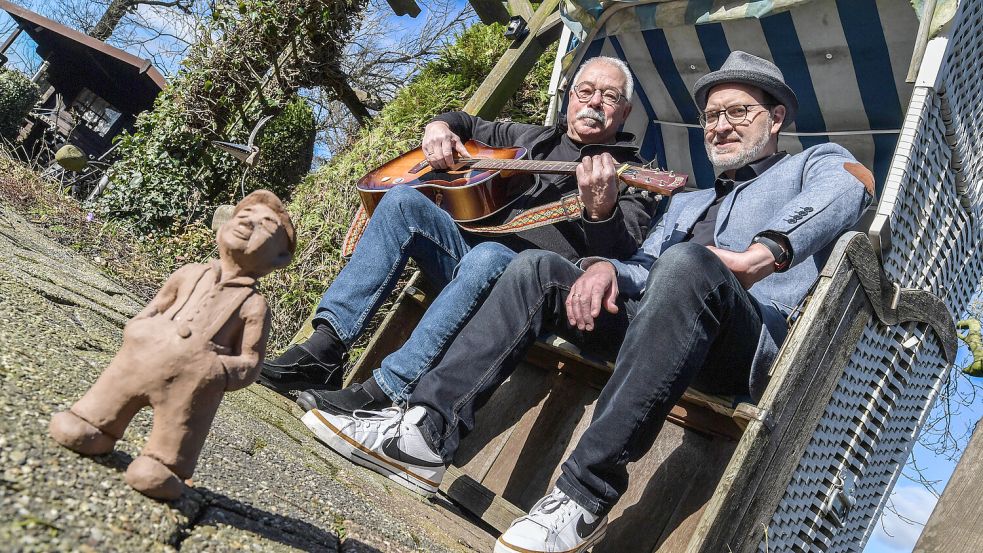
(698, 206)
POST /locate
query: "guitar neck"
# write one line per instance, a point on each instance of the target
(526, 166)
(658, 181)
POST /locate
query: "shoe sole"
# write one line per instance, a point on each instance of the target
(305, 401)
(355, 452)
(592, 540)
(290, 387)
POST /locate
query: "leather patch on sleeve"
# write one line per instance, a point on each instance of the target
(862, 174)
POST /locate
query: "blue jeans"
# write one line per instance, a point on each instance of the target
(407, 225)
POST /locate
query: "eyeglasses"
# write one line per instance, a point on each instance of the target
(585, 91)
(735, 115)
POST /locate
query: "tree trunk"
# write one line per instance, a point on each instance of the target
(110, 19)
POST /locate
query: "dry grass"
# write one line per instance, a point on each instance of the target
(139, 263)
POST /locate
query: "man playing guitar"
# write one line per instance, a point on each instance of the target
(405, 224)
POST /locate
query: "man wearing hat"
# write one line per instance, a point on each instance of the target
(704, 303)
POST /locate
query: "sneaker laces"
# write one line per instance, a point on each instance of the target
(392, 414)
(549, 505)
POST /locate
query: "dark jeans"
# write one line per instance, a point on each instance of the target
(695, 325)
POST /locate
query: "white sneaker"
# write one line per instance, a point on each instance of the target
(557, 524)
(388, 442)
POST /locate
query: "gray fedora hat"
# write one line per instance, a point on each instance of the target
(745, 68)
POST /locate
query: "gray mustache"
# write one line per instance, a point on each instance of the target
(591, 113)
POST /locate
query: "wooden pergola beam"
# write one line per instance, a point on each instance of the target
(523, 8)
(956, 523)
(550, 31)
(508, 74)
(490, 11)
(404, 7)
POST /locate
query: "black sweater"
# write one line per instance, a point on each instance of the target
(617, 237)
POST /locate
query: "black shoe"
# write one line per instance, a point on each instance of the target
(298, 369)
(345, 402)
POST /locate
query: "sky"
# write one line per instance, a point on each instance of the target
(911, 500)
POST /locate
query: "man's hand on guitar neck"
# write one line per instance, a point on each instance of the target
(597, 179)
(440, 144)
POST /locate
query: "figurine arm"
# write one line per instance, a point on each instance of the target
(243, 369)
(166, 295)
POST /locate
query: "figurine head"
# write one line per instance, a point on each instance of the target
(259, 236)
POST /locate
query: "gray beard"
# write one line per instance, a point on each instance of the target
(752, 153)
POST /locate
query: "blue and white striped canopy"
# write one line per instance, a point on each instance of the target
(845, 59)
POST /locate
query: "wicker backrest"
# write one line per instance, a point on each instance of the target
(929, 220)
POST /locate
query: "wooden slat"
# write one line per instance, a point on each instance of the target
(667, 486)
(550, 31)
(508, 74)
(539, 442)
(523, 392)
(474, 497)
(704, 413)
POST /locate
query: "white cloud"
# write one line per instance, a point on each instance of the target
(897, 531)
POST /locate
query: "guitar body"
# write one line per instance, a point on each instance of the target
(466, 194)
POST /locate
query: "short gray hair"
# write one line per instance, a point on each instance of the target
(614, 62)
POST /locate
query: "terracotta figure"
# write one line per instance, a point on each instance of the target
(202, 335)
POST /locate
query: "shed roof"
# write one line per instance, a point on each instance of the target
(78, 49)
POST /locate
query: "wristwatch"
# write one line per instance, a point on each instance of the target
(783, 257)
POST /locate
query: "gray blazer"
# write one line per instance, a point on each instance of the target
(810, 197)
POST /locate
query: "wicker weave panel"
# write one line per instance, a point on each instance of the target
(867, 429)
(963, 89)
(935, 239)
(894, 376)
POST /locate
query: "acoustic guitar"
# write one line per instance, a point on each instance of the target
(470, 190)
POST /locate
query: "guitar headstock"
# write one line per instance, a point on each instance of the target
(659, 181)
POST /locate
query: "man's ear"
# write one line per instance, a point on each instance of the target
(779, 118)
(627, 110)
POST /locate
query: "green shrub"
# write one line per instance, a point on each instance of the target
(17, 96)
(262, 52)
(286, 146)
(169, 174)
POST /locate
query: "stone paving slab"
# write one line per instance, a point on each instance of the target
(263, 482)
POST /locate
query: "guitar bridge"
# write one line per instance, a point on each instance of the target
(419, 166)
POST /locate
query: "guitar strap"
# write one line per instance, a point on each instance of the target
(568, 208)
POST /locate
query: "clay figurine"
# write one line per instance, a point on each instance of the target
(202, 335)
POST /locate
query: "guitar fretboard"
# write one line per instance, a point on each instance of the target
(551, 167)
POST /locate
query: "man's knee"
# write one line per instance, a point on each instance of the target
(402, 198)
(487, 259)
(684, 262)
(536, 265)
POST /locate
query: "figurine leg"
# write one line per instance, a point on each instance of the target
(153, 479)
(181, 424)
(97, 420)
(76, 434)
